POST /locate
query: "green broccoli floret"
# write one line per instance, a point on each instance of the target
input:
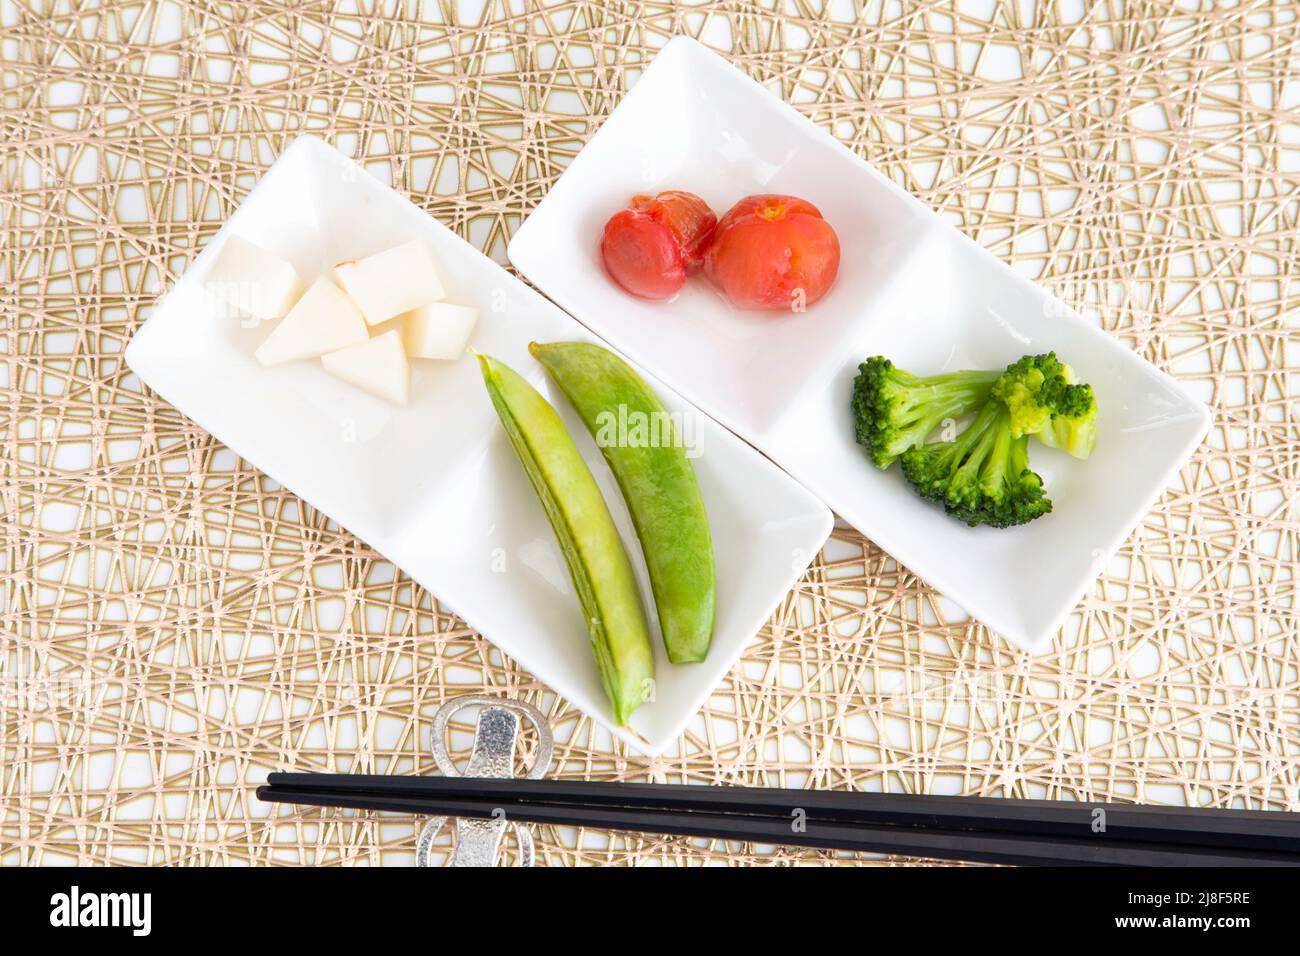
(894, 410)
(981, 477)
(1029, 388)
(1044, 400)
(1073, 427)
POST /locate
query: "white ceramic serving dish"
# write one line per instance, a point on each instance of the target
(435, 486)
(911, 287)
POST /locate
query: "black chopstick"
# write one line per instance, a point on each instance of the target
(1268, 830)
(931, 842)
(1026, 849)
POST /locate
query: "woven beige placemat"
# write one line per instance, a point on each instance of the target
(175, 625)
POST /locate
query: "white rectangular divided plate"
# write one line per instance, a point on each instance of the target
(435, 486)
(911, 287)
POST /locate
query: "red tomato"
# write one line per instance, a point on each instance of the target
(642, 255)
(773, 252)
(649, 247)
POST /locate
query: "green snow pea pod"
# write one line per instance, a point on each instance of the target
(601, 571)
(642, 443)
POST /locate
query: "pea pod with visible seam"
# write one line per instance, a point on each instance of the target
(657, 481)
(597, 561)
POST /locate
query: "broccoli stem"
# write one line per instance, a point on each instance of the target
(942, 397)
(950, 456)
(983, 465)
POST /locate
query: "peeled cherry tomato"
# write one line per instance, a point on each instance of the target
(773, 252)
(649, 247)
(642, 255)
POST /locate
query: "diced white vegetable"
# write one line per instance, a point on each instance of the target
(438, 330)
(378, 365)
(323, 320)
(248, 280)
(391, 282)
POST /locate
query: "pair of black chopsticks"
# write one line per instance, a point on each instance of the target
(976, 829)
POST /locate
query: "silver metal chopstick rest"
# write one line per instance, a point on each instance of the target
(493, 755)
